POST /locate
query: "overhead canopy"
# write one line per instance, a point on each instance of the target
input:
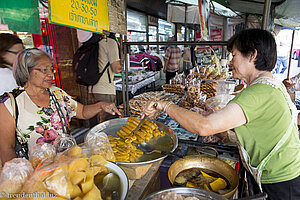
(286, 12)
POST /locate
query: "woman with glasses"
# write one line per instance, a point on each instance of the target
(262, 116)
(10, 45)
(44, 111)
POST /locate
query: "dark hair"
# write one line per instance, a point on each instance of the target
(249, 40)
(7, 40)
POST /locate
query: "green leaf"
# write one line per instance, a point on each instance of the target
(26, 135)
(40, 112)
(39, 123)
(45, 120)
(30, 128)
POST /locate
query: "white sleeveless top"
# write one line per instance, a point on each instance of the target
(41, 124)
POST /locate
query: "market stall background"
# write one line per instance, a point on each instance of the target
(148, 25)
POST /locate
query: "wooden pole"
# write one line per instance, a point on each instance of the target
(290, 57)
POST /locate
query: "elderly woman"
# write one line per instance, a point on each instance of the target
(262, 115)
(44, 111)
(10, 45)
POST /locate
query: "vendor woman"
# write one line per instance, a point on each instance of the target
(262, 115)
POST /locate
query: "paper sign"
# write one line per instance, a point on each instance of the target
(90, 15)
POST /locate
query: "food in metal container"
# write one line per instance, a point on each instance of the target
(202, 178)
(122, 146)
(184, 193)
(175, 196)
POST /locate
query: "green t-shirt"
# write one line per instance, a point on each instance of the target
(268, 117)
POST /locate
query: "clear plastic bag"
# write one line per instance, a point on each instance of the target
(41, 152)
(98, 144)
(67, 177)
(64, 142)
(220, 101)
(14, 174)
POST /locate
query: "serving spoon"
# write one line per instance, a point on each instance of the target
(148, 149)
(111, 183)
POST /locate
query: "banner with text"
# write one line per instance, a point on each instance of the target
(90, 15)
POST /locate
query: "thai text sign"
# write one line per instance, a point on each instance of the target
(91, 15)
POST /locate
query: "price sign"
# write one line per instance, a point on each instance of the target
(91, 15)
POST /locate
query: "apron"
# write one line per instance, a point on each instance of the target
(257, 171)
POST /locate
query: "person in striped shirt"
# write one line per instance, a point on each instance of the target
(172, 60)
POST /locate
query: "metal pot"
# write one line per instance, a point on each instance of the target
(205, 162)
(203, 194)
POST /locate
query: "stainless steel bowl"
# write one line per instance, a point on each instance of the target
(186, 191)
(168, 142)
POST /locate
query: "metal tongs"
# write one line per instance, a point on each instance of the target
(141, 122)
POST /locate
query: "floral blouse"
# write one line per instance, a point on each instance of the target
(41, 124)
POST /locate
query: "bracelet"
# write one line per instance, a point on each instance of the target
(167, 106)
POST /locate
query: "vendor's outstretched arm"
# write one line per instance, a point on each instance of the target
(227, 118)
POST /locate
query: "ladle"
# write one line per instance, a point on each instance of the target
(148, 149)
(111, 183)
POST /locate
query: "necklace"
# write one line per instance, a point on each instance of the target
(256, 77)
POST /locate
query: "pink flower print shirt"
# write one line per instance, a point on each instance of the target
(42, 124)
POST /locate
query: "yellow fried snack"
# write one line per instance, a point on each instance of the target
(122, 146)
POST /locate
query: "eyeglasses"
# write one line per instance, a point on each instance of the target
(45, 70)
(14, 52)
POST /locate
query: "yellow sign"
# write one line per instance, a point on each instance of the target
(90, 15)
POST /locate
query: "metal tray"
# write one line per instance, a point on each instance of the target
(168, 142)
(200, 193)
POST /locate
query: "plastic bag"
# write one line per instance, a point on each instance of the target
(220, 101)
(41, 152)
(13, 176)
(67, 177)
(64, 142)
(98, 144)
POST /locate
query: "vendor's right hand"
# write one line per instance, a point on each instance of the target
(153, 107)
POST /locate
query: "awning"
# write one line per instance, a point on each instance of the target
(286, 11)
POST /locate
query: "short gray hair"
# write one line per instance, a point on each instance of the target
(25, 61)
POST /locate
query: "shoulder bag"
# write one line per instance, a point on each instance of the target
(21, 144)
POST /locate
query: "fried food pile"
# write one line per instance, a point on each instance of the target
(122, 146)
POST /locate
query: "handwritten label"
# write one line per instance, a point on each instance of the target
(91, 15)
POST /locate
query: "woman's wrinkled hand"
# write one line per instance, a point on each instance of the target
(110, 108)
(153, 107)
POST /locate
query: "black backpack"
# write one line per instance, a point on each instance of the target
(85, 62)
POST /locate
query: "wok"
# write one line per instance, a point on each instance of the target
(206, 162)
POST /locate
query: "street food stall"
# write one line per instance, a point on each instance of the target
(211, 163)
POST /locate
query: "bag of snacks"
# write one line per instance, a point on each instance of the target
(13, 176)
(41, 152)
(70, 176)
(98, 144)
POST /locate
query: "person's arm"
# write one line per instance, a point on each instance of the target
(89, 111)
(116, 67)
(7, 135)
(167, 57)
(165, 66)
(227, 118)
(113, 55)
